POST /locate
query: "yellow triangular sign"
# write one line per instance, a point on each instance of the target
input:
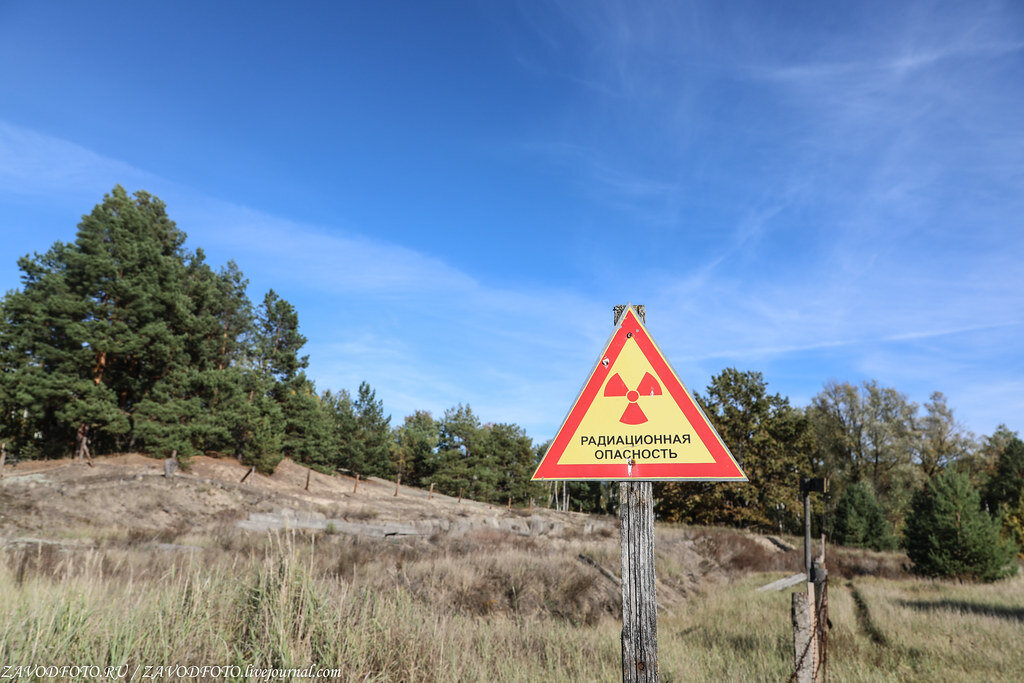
(634, 420)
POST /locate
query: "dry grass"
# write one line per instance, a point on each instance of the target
(492, 606)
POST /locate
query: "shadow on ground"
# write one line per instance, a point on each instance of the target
(961, 606)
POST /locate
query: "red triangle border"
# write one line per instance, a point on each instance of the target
(725, 467)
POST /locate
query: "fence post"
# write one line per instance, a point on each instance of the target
(803, 638)
(170, 465)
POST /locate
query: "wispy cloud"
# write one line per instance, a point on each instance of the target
(785, 197)
(35, 164)
(426, 334)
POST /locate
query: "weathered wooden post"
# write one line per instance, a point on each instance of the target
(639, 600)
(639, 593)
(430, 496)
(309, 472)
(398, 482)
(355, 486)
(634, 422)
(171, 465)
(805, 605)
(3, 458)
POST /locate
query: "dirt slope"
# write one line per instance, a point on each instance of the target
(66, 499)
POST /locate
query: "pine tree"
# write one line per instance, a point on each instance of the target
(462, 464)
(772, 442)
(342, 431)
(509, 451)
(275, 341)
(97, 324)
(1005, 486)
(859, 521)
(372, 447)
(307, 429)
(416, 448)
(947, 533)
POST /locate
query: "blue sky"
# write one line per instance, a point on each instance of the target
(454, 195)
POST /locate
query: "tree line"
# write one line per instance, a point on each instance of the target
(125, 340)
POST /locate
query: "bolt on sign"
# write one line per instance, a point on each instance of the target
(634, 420)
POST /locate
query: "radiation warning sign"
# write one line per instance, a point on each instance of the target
(634, 420)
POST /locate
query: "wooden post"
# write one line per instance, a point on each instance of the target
(355, 486)
(531, 505)
(252, 470)
(430, 496)
(803, 638)
(398, 482)
(3, 458)
(460, 492)
(510, 503)
(639, 601)
(805, 605)
(308, 473)
(170, 465)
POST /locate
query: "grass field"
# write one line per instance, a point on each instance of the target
(488, 607)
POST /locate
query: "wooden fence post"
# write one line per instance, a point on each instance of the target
(430, 496)
(355, 486)
(170, 465)
(803, 638)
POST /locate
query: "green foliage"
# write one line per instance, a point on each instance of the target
(123, 339)
(1004, 491)
(947, 533)
(859, 521)
(307, 428)
(416, 448)
(868, 433)
(1013, 526)
(943, 442)
(461, 465)
(1006, 484)
(772, 442)
(510, 453)
(371, 448)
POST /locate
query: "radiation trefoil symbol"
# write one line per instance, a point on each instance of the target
(633, 414)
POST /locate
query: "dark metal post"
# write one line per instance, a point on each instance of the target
(807, 528)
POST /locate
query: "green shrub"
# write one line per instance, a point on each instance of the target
(949, 535)
(860, 522)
